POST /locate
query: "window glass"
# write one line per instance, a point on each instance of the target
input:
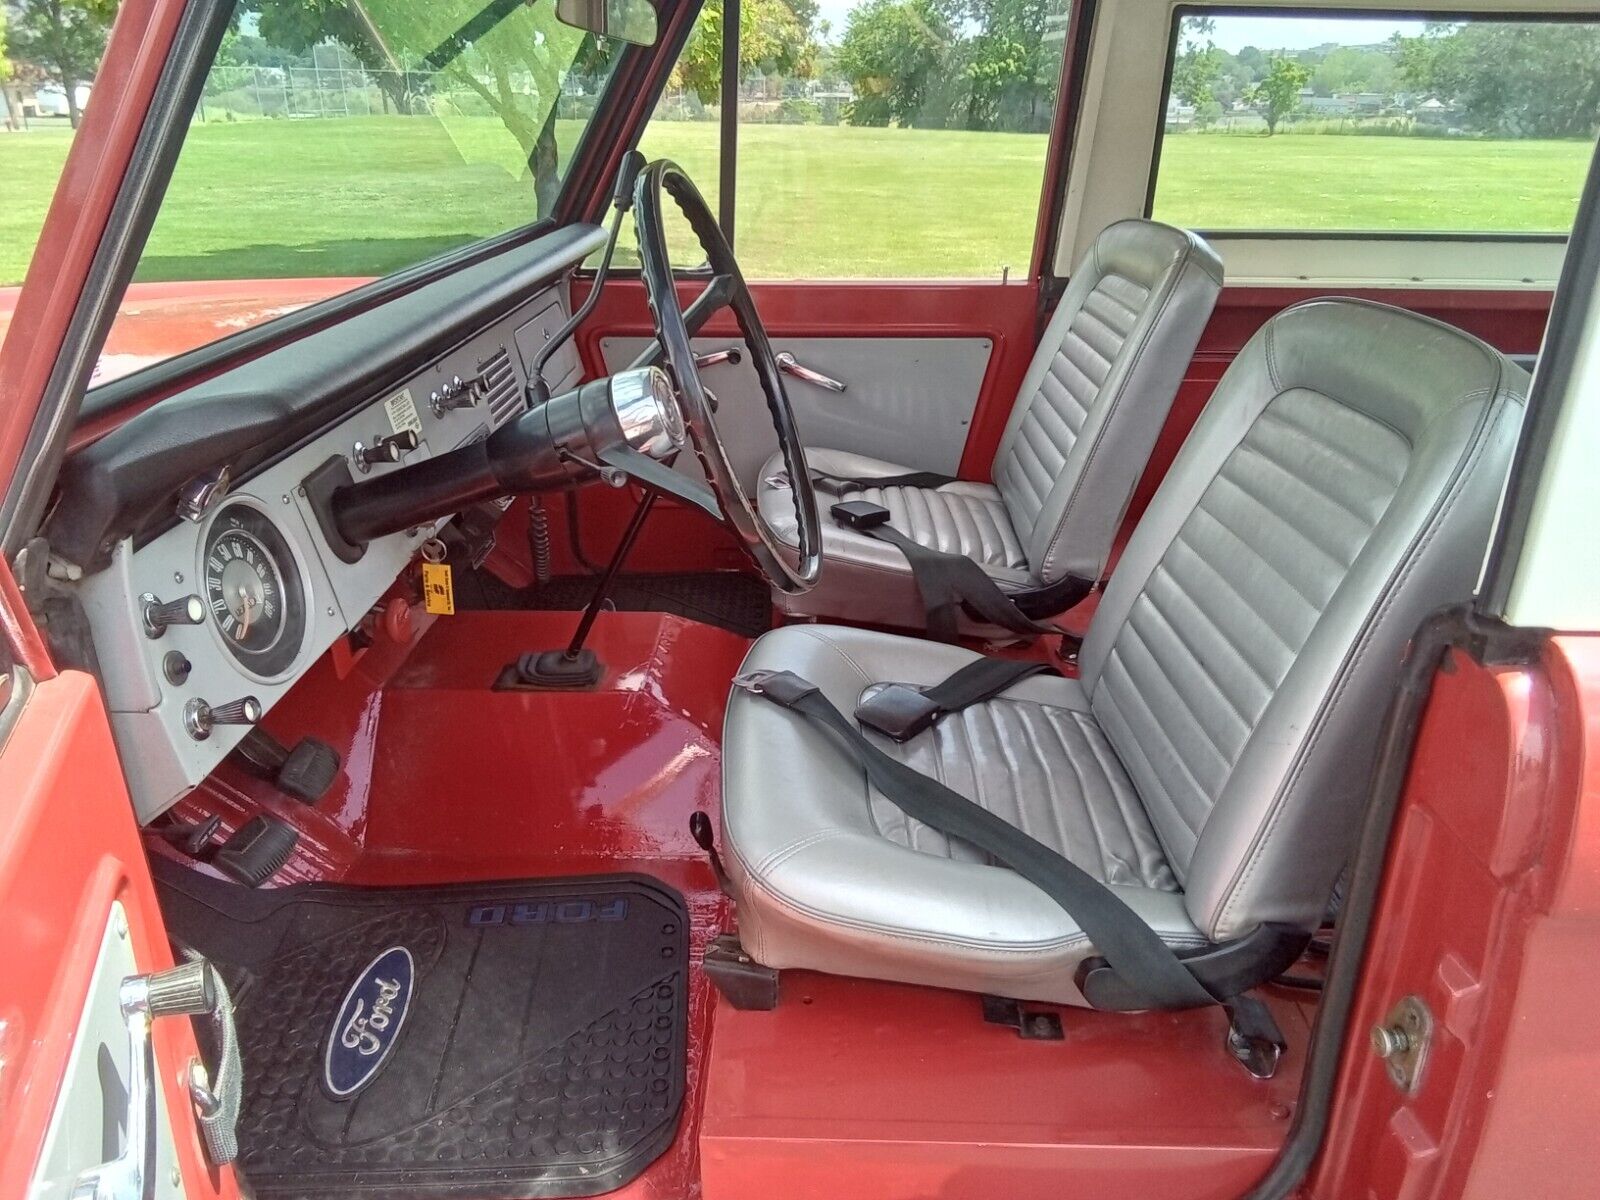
(49, 56)
(685, 128)
(333, 144)
(877, 138)
(1325, 123)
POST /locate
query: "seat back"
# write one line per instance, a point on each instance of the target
(1340, 485)
(1098, 392)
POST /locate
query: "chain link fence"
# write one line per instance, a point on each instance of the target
(342, 90)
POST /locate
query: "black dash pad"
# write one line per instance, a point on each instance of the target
(530, 1043)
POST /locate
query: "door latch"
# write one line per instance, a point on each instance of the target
(1402, 1042)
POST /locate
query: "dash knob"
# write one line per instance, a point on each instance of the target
(199, 718)
(389, 449)
(186, 610)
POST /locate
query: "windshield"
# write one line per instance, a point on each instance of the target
(337, 142)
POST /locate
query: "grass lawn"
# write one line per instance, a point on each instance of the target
(365, 195)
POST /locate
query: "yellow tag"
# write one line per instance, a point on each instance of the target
(438, 594)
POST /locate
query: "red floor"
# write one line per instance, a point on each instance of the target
(850, 1088)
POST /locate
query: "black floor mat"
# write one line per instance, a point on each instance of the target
(539, 1051)
(730, 600)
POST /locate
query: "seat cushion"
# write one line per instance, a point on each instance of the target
(870, 581)
(832, 876)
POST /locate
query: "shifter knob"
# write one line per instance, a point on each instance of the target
(199, 717)
(186, 610)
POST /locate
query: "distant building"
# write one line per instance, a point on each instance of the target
(1433, 111)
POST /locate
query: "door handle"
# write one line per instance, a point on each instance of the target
(189, 989)
(788, 364)
(730, 355)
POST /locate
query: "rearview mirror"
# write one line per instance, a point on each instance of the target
(626, 20)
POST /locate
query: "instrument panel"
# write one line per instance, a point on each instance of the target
(202, 628)
(253, 589)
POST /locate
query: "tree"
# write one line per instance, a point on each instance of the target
(513, 63)
(1008, 67)
(1198, 67)
(1278, 95)
(296, 26)
(64, 37)
(892, 53)
(774, 36)
(1354, 69)
(1514, 79)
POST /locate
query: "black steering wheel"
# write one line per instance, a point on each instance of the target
(789, 571)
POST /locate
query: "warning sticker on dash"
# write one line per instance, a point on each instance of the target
(402, 411)
(438, 593)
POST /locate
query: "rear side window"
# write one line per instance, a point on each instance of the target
(1320, 123)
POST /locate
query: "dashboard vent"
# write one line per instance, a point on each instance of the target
(500, 389)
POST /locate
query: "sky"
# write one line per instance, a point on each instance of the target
(1234, 33)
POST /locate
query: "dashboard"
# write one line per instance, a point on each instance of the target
(210, 587)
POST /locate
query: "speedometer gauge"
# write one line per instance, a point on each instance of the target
(253, 590)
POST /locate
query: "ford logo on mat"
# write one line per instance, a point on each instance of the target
(369, 1021)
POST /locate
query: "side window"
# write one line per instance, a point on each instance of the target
(877, 139)
(49, 56)
(1317, 123)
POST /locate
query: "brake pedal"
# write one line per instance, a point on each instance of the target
(256, 851)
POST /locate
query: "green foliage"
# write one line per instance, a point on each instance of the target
(1008, 67)
(1355, 69)
(797, 111)
(1517, 79)
(1278, 95)
(1197, 69)
(64, 37)
(892, 52)
(5, 62)
(513, 64)
(775, 36)
(975, 64)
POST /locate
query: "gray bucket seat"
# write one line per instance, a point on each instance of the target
(1081, 431)
(1212, 758)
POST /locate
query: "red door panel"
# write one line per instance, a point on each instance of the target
(677, 539)
(69, 848)
(1490, 913)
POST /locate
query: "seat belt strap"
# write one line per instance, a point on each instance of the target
(839, 485)
(944, 581)
(1128, 945)
(900, 711)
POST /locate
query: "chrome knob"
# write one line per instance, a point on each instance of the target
(448, 397)
(157, 614)
(199, 718)
(389, 449)
(182, 991)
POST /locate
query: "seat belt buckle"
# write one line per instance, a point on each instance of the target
(860, 514)
(898, 711)
(783, 688)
